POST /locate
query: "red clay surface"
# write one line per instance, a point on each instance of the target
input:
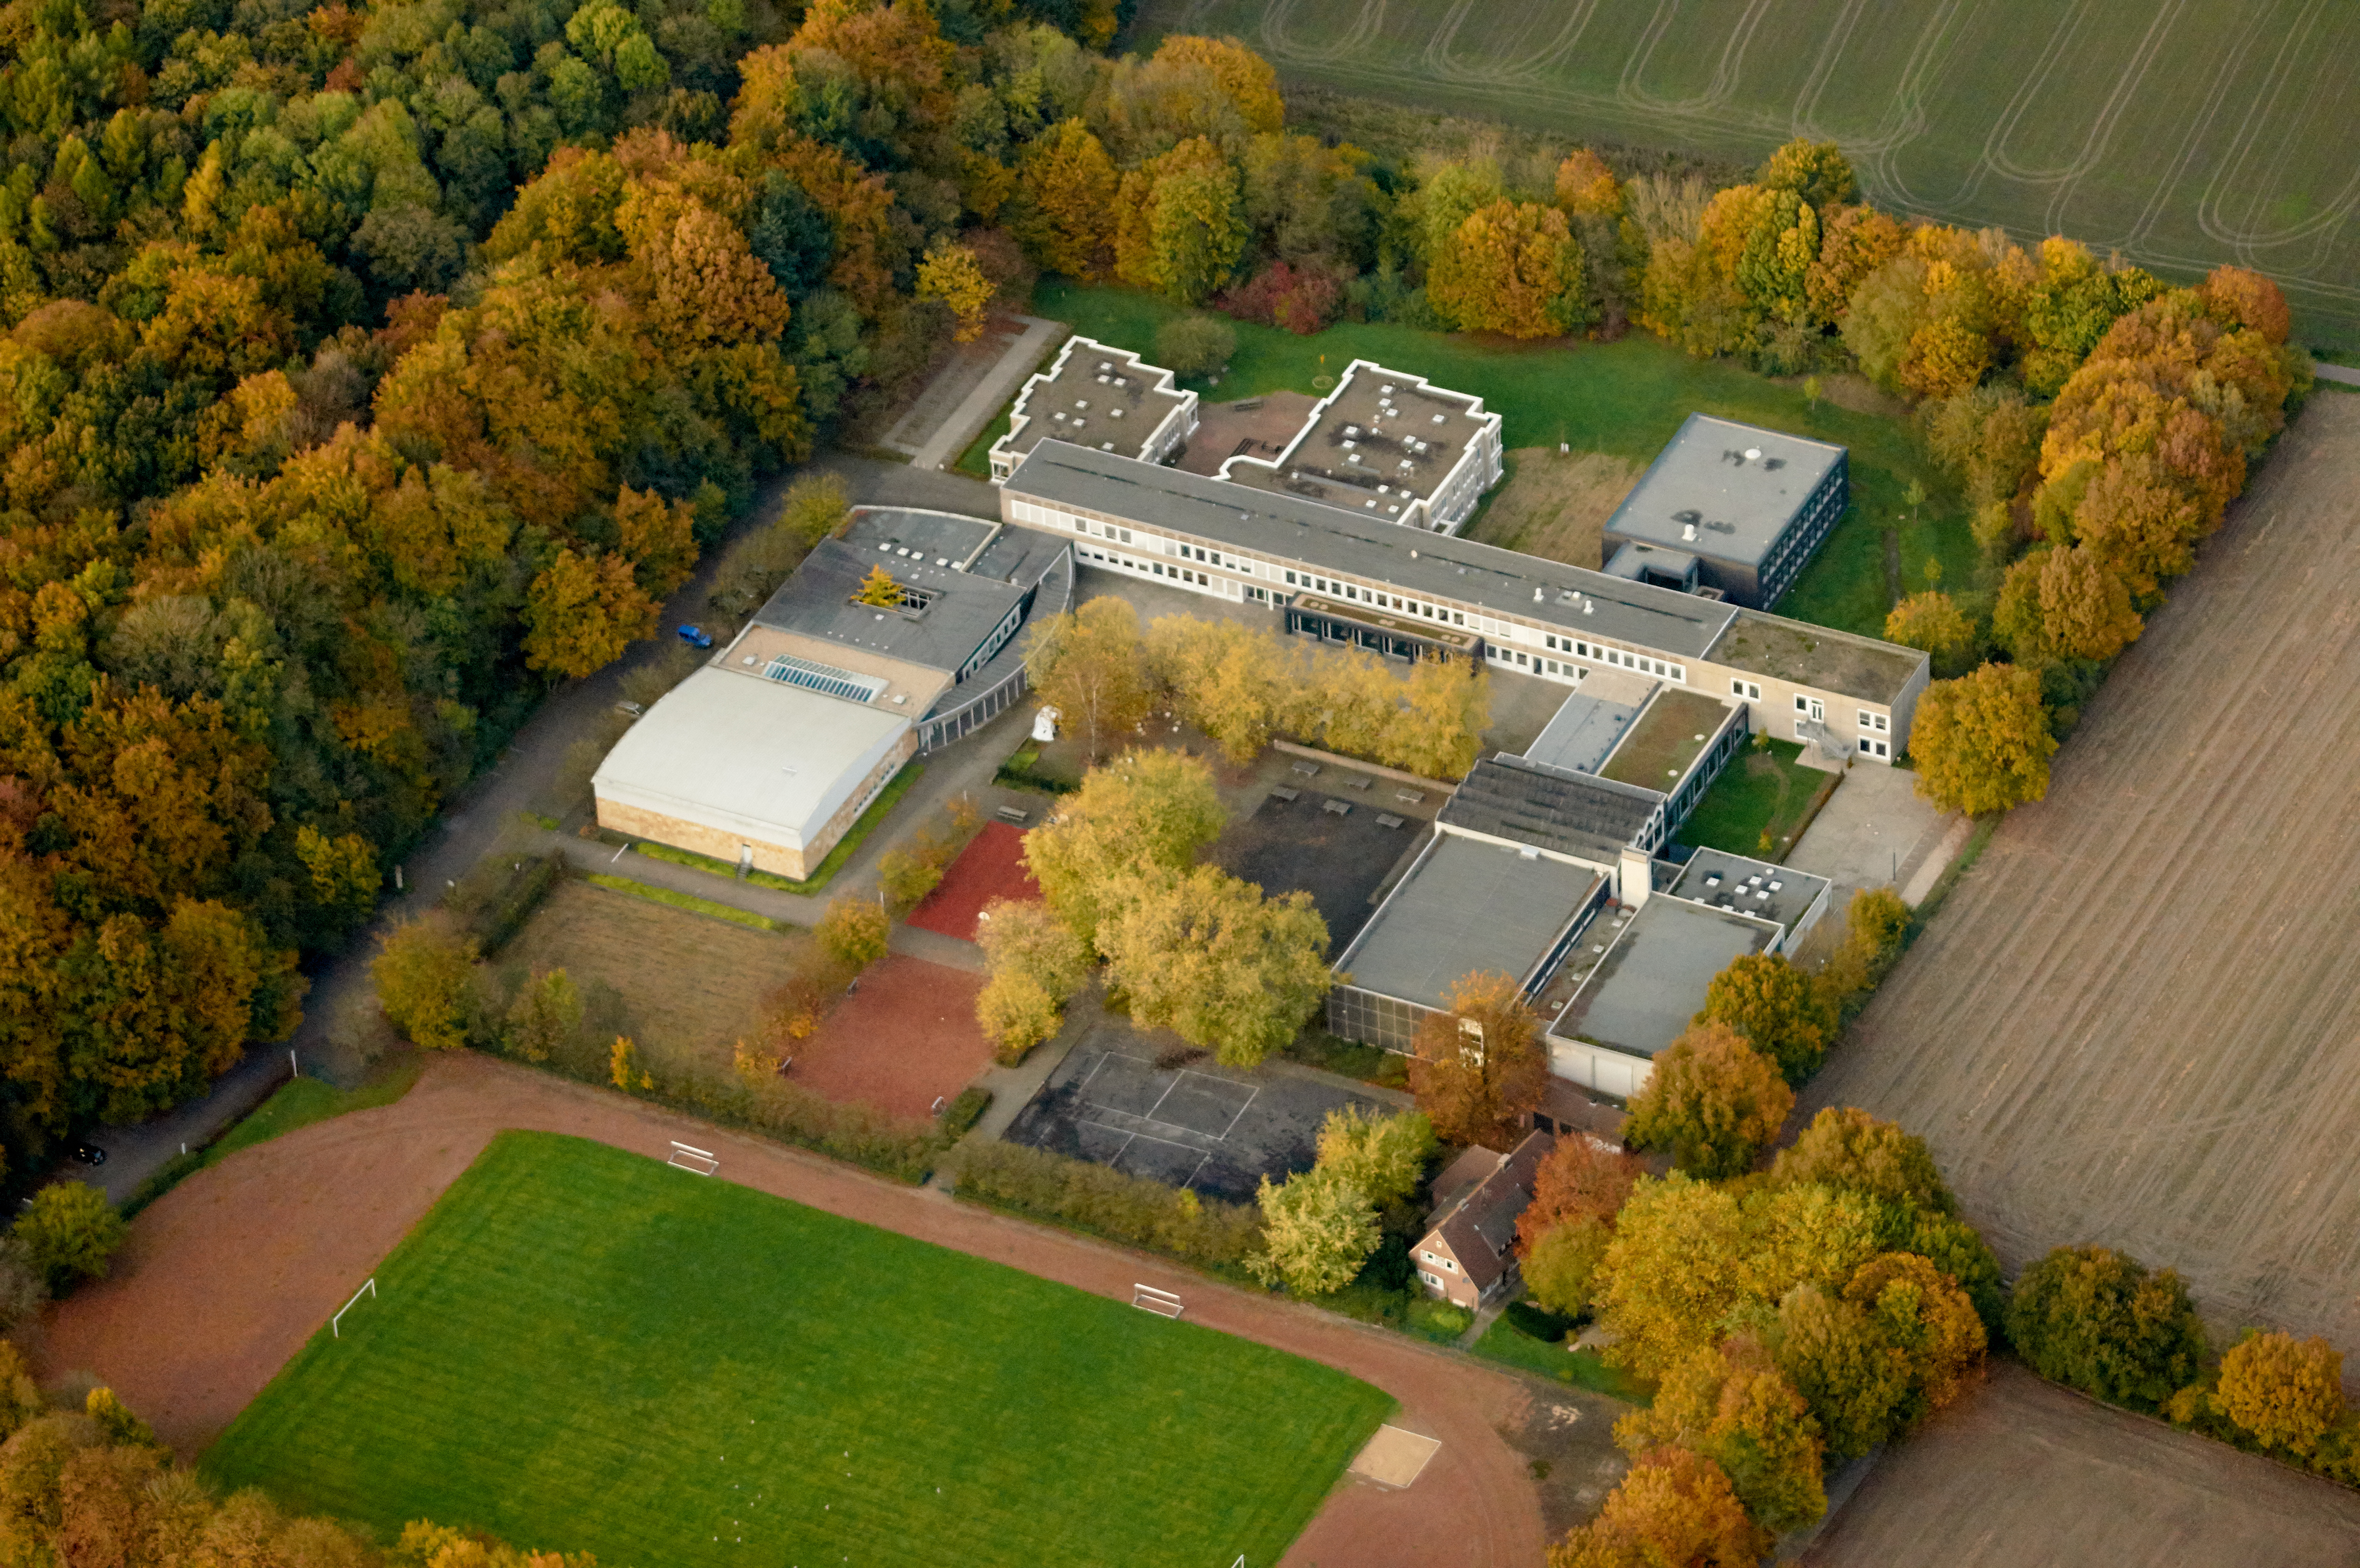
(905, 1038)
(991, 866)
(226, 1276)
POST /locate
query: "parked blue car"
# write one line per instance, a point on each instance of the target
(696, 637)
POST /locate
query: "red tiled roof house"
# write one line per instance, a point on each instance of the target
(1468, 1256)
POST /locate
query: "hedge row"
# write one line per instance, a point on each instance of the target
(1095, 1198)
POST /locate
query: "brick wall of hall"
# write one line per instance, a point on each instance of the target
(778, 859)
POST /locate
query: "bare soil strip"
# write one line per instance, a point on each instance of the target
(2026, 1475)
(2137, 1019)
(228, 1275)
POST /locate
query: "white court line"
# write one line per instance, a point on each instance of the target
(1149, 1136)
(1150, 1115)
(1092, 1072)
(1224, 1133)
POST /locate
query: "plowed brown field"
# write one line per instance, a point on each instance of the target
(2138, 1020)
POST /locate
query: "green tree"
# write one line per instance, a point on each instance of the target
(1383, 1156)
(1674, 1270)
(1851, 1150)
(2097, 1320)
(1711, 1100)
(1209, 957)
(1146, 810)
(1736, 1408)
(547, 1010)
(1855, 1380)
(1035, 965)
(69, 1230)
(853, 932)
(1560, 1269)
(1982, 742)
(1017, 1013)
(1817, 172)
(2283, 1393)
(424, 976)
(1317, 1231)
(1774, 1005)
(1194, 347)
(1479, 1069)
(1924, 1314)
(1091, 665)
(1180, 223)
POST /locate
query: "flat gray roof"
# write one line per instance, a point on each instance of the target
(1652, 981)
(965, 608)
(1361, 543)
(1571, 813)
(1094, 394)
(1381, 434)
(945, 538)
(1592, 721)
(1749, 887)
(1465, 905)
(1738, 485)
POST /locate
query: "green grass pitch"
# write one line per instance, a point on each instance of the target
(582, 1348)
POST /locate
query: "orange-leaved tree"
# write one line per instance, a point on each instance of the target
(1480, 1069)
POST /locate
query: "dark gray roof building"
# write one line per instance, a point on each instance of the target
(1751, 505)
(1580, 816)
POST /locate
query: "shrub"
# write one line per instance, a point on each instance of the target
(68, 1232)
(1194, 346)
(960, 1116)
(1016, 1015)
(2096, 1320)
(1546, 1326)
(1093, 1198)
(1438, 1321)
(1301, 299)
(853, 932)
(424, 974)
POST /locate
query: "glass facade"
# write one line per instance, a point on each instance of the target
(1374, 1020)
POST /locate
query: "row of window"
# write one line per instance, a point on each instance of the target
(1617, 656)
(1813, 708)
(1144, 568)
(1358, 595)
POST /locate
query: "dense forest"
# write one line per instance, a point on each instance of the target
(366, 369)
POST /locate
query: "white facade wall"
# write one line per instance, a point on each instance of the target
(1527, 646)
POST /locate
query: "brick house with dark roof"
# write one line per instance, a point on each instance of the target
(1468, 1256)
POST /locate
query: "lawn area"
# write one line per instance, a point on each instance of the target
(975, 460)
(1760, 792)
(1506, 1342)
(1624, 399)
(299, 1101)
(579, 1348)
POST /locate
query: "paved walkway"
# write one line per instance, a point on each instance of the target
(1873, 832)
(227, 1276)
(960, 402)
(2343, 374)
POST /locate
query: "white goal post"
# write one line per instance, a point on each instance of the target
(1148, 1298)
(335, 1324)
(704, 1162)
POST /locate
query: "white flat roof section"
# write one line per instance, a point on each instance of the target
(1465, 905)
(1381, 435)
(742, 754)
(1097, 395)
(1592, 720)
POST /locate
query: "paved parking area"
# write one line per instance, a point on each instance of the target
(1872, 831)
(1200, 1125)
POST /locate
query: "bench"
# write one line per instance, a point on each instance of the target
(1387, 820)
(1282, 793)
(1363, 782)
(1013, 814)
(1308, 769)
(1341, 808)
(1409, 796)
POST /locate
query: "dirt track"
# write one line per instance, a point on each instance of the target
(2025, 1475)
(2137, 1022)
(228, 1275)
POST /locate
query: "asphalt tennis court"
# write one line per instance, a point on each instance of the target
(1201, 1126)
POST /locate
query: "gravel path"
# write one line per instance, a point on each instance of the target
(228, 1275)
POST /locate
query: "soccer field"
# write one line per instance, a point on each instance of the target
(580, 1348)
(2183, 135)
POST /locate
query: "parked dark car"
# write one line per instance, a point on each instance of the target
(89, 1154)
(696, 637)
